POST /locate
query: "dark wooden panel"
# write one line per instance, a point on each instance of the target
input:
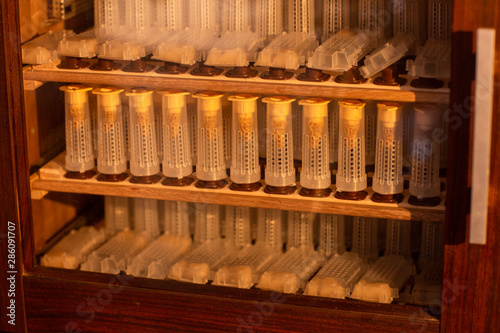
(471, 272)
(53, 303)
(14, 202)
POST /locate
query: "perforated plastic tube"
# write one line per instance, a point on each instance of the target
(279, 168)
(245, 167)
(440, 16)
(144, 153)
(365, 237)
(300, 16)
(351, 174)
(432, 246)
(174, 218)
(236, 15)
(111, 149)
(315, 172)
(238, 225)
(171, 15)
(146, 218)
(210, 146)
(300, 229)
(116, 214)
(398, 238)
(370, 132)
(203, 14)
(335, 17)
(207, 223)
(388, 177)
(269, 18)
(425, 182)
(331, 235)
(108, 20)
(270, 227)
(79, 152)
(409, 18)
(176, 146)
(141, 17)
(371, 20)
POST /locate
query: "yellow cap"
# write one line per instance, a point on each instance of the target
(141, 97)
(76, 93)
(279, 105)
(315, 107)
(108, 96)
(354, 108)
(389, 112)
(173, 98)
(209, 100)
(244, 103)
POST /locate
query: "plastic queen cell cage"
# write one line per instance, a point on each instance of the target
(144, 161)
(177, 163)
(79, 151)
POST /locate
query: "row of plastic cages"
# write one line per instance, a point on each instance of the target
(282, 39)
(241, 247)
(254, 139)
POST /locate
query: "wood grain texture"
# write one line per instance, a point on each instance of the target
(54, 305)
(14, 183)
(329, 205)
(471, 282)
(292, 87)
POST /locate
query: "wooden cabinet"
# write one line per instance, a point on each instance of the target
(73, 301)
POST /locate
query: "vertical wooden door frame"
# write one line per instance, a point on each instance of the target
(471, 279)
(15, 207)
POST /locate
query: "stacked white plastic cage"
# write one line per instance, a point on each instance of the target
(331, 235)
(335, 17)
(116, 215)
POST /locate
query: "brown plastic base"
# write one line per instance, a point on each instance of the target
(390, 77)
(282, 190)
(313, 75)
(147, 180)
(138, 66)
(315, 193)
(105, 65)
(112, 178)
(426, 202)
(169, 181)
(211, 184)
(352, 76)
(242, 72)
(73, 63)
(427, 83)
(80, 175)
(356, 196)
(204, 70)
(277, 74)
(387, 198)
(252, 187)
(172, 68)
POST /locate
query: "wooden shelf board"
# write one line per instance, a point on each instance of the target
(294, 87)
(52, 179)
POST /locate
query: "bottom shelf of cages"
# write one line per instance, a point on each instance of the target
(313, 255)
